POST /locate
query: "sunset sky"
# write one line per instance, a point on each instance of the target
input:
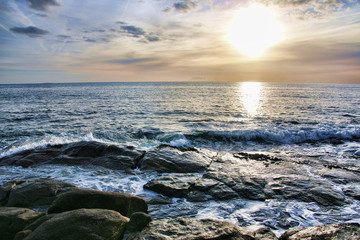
(171, 40)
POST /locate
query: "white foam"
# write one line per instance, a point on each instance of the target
(50, 140)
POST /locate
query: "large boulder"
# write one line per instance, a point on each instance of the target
(191, 229)
(82, 224)
(36, 193)
(172, 185)
(125, 204)
(340, 231)
(5, 190)
(171, 159)
(78, 153)
(13, 220)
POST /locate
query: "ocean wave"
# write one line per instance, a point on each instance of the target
(149, 138)
(266, 136)
(50, 140)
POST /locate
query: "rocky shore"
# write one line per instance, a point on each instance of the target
(68, 212)
(45, 208)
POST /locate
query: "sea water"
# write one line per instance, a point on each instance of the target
(296, 121)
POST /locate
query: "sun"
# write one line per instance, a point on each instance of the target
(253, 30)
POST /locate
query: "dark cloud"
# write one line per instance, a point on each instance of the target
(61, 36)
(121, 23)
(182, 7)
(152, 38)
(42, 5)
(129, 60)
(135, 31)
(30, 31)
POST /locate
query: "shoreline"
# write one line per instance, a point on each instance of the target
(72, 211)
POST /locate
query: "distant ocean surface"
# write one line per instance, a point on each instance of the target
(294, 120)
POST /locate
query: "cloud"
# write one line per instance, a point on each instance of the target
(42, 5)
(30, 31)
(129, 61)
(312, 8)
(135, 31)
(151, 38)
(182, 7)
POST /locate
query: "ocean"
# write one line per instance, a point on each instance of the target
(296, 121)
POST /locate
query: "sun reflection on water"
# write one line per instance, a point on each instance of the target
(251, 96)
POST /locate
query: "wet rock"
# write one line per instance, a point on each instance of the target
(32, 226)
(22, 234)
(352, 191)
(332, 231)
(175, 210)
(175, 160)
(264, 233)
(173, 185)
(36, 193)
(82, 224)
(138, 221)
(5, 190)
(182, 228)
(239, 176)
(125, 204)
(340, 175)
(306, 189)
(79, 153)
(13, 220)
(159, 200)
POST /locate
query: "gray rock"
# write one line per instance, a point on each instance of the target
(191, 229)
(172, 185)
(79, 153)
(22, 234)
(264, 233)
(5, 190)
(340, 231)
(37, 193)
(352, 191)
(240, 176)
(138, 221)
(306, 189)
(175, 160)
(159, 200)
(339, 175)
(13, 220)
(82, 224)
(125, 204)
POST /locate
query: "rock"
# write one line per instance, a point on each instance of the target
(22, 234)
(138, 221)
(175, 160)
(36, 193)
(125, 204)
(332, 231)
(5, 190)
(306, 189)
(159, 200)
(82, 224)
(182, 228)
(78, 153)
(340, 176)
(261, 177)
(13, 220)
(173, 185)
(32, 226)
(352, 191)
(264, 233)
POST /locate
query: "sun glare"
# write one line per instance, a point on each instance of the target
(250, 96)
(254, 30)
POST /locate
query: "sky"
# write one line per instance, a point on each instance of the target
(295, 41)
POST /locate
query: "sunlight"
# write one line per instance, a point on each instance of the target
(254, 30)
(250, 96)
